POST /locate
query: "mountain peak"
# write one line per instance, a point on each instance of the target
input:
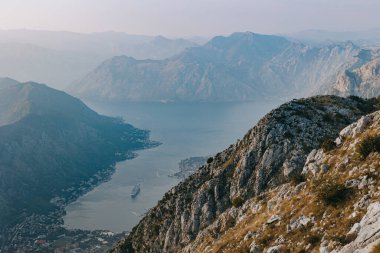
(19, 100)
(6, 82)
(160, 39)
(244, 39)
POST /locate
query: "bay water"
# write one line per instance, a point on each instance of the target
(185, 130)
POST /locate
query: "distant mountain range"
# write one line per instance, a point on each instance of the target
(49, 142)
(362, 79)
(60, 58)
(243, 66)
(240, 67)
(363, 38)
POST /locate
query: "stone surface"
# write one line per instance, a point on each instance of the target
(254, 248)
(367, 230)
(273, 219)
(274, 249)
(301, 221)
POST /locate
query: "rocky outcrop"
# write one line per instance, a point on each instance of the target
(221, 194)
(361, 79)
(329, 210)
(367, 231)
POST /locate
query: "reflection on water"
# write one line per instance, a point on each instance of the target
(185, 130)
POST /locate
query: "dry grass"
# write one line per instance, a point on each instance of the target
(332, 220)
(376, 249)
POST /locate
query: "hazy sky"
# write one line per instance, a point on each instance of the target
(189, 17)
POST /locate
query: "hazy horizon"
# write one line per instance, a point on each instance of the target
(192, 18)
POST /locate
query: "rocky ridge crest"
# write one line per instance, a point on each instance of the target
(194, 215)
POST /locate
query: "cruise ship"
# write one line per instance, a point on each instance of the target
(135, 191)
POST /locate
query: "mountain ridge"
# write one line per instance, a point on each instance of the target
(51, 142)
(270, 155)
(61, 58)
(240, 67)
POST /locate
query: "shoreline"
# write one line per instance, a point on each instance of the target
(47, 232)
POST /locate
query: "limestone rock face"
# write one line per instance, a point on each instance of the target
(302, 221)
(214, 198)
(367, 230)
(297, 217)
(355, 128)
(362, 80)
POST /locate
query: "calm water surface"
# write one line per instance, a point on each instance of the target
(185, 130)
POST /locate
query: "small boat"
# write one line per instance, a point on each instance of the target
(135, 191)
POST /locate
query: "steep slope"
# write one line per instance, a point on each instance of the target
(271, 154)
(335, 209)
(11, 109)
(243, 66)
(5, 82)
(49, 142)
(363, 81)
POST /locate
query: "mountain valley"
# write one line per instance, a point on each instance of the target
(304, 179)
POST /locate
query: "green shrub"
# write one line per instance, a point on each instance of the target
(368, 145)
(332, 194)
(237, 202)
(156, 229)
(298, 178)
(367, 105)
(314, 239)
(302, 113)
(265, 240)
(328, 144)
(288, 135)
(345, 239)
(356, 98)
(376, 101)
(328, 118)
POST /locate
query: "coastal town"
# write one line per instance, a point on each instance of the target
(46, 232)
(188, 166)
(42, 234)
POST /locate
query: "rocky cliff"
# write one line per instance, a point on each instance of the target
(229, 202)
(363, 81)
(361, 78)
